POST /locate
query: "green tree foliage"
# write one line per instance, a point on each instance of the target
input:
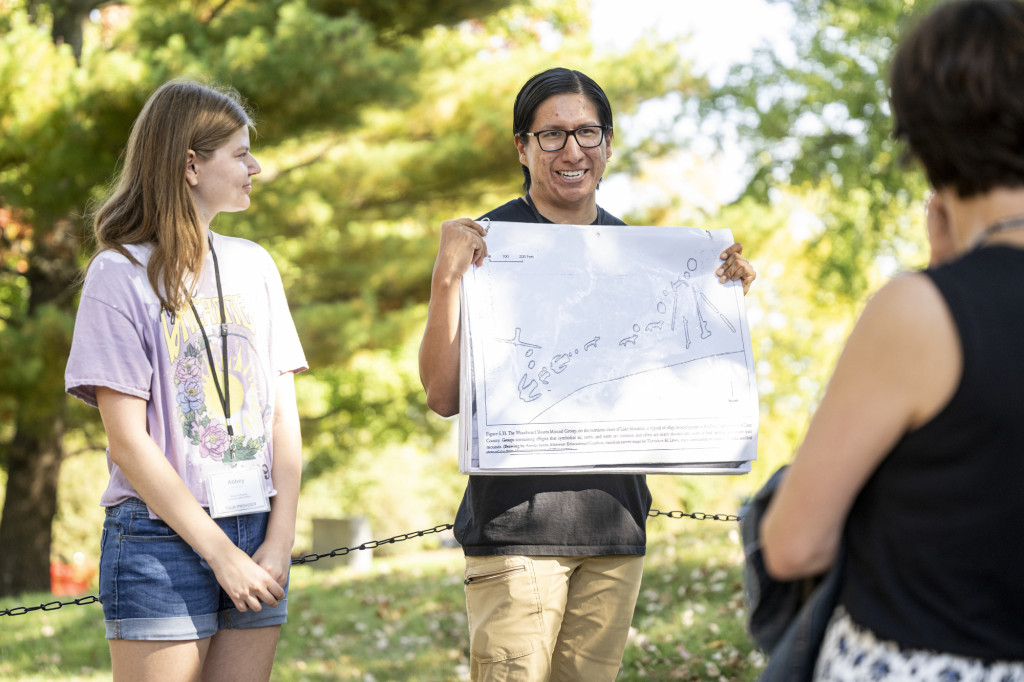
(821, 126)
(377, 120)
(827, 210)
(833, 206)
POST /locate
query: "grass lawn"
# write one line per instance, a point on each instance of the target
(404, 619)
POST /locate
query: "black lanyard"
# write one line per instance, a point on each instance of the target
(224, 395)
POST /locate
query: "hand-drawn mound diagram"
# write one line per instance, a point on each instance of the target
(627, 345)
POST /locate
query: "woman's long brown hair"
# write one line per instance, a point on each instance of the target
(151, 201)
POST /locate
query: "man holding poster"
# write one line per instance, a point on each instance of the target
(553, 562)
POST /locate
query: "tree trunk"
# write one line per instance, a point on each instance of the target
(69, 17)
(33, 467)
(36, 450)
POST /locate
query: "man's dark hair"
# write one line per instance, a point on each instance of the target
(957, 93)
(557, 81)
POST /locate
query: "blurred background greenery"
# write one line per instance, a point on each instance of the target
(379, 119)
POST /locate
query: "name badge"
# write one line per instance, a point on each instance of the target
(235, 491)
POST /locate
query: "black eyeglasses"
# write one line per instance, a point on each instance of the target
(554, 140)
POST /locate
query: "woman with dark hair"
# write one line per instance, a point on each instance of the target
(912, 463)
(185, 343)
(553, 562)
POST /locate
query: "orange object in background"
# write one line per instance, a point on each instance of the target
(71, 579)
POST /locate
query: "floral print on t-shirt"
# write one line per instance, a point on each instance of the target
(202, 425)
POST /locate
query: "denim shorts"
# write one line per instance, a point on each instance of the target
(154, 586)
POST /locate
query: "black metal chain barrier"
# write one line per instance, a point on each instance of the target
(697, 516)
(342, 551)
(49, 606)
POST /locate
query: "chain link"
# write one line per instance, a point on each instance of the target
(697, 516)
(372, 544)
(49, 606)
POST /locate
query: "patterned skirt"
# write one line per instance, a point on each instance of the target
(851, 653)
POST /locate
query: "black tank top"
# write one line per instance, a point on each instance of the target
(936, 538)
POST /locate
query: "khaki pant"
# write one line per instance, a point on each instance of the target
(538, 618)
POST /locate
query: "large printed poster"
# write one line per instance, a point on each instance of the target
(605, 348)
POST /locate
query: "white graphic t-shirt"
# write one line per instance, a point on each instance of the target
(124, 341)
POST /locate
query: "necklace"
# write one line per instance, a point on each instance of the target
(995, 228)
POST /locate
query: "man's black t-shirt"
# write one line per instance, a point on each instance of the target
(553, 515)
